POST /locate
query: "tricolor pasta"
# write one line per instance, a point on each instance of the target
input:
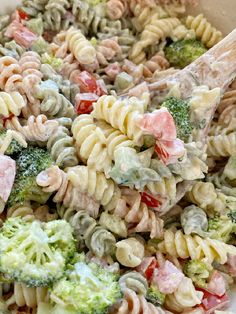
(115, 197)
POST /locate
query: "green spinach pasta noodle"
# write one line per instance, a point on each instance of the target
(114, 198)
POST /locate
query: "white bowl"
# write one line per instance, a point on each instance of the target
(221, 13)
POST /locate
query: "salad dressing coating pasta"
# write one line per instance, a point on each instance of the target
(114, 197)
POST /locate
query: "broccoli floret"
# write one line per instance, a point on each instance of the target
(198, 271)
(35, 253)
(87, 289)
(183, 52)
(221, 228)
(232, 216)
(14, 147)
(155, 296)
(179, 109)
(30, 162)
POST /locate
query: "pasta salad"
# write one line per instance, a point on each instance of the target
(113, 199)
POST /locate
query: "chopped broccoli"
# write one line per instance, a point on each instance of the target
(221, 228)
(30, 162)
(179, 109)
(155, 296)
(198, 271)
(35, 253)
(87, 289)
(183, 52)
(14, 147)
(232, 216)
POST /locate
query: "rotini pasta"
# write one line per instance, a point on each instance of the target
(134, 211)
(61, 147)
(29, 296)
(55, 104)
(153, 32)
(54, 15)
(82, 49)
(138, 198)
(99, 240)
(129, 252)
(204, 31)
(10, 77)
(185, 246)
(222, 145)
(56, 180)
(186, 296)
(133, 303)
(95, 184)
(91, 143)
(134, 281)
(11, 103)
(116, 9)
(121, 114)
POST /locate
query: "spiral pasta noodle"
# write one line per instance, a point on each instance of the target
(222, 145)
(11, 103)
(185, 246)
(132, 210)
(121, 114)
(10, 77)
(29, 296)
(37, 129)
(61, 146)
(202, 194)
(54, 180)
(55, 10)
(204, 31)
(91, 143)
(30, 64)
(153, 32)
(157, 63)
(99, 240)
(134, 281)
(107, 49)
(87, 180)
(21, 210)
(116, 8)
(82, 49)
(133, 303)
(55, 104)
(33, 7)
(186, 296)
(129, 252)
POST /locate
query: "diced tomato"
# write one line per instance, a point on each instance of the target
(150, 200)
(84, 102)
(101, 88)
(86, 82)
(151, 268)
(22, 15)
(211, 303)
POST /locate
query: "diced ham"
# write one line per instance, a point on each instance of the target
(211, 303)
(170, 151)
(160, 124)
(7, 176)
(168, 278)
(21, 34)
(112, 70)
(217, 284)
